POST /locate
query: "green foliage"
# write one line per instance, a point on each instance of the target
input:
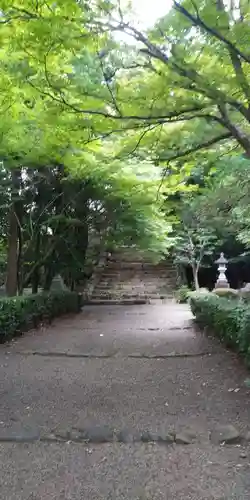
(186, 83)
(228, 319)
(201, 291)
(223, 204)
(194, 241)
(193, 244)
(20, 314)
(183, 88)
(244, 341)
(226, 192)
(244, 295)
(87, 119)
(182, 294)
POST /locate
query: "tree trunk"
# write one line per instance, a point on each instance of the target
(195, 276)
(39, 264)
(35, 281)
(36, 273)
(181, 275)
(20, 261)
(12, 256)
(49, 271)
(19, 215)
(49, 275)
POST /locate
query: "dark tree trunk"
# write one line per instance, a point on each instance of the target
(13, 235)
(49, 272)
(35, 281)
(48, 279)
(19, 261)
(12, 257)
(36, 273)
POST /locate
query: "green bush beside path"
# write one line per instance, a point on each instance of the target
(227, 318)
(19, 314)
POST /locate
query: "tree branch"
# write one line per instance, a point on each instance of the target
(197, 82)
(207, 90)
(138, 142)
(147, 118)
(236, 132)
(240, 75)
(212, 31)
(113, 99)
(196, 148)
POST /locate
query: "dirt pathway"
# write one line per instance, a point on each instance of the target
(123, 403)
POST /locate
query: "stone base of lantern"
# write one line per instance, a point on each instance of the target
(221, 284)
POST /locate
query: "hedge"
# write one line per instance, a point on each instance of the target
(229, 319)
(19, 314)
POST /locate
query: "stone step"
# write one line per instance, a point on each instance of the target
(123, 293)
(135, 269)
(143, 275)
(110, 302)
(157, 282)
(119, 286)
(162, 275)
(136, 277)
(134, 264)
(132, 293)
(121, 279)
(129, 278)
(130, 297)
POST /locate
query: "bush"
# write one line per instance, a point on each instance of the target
(19, 314)
(203, 290)
(244, 340)
(195, 293)
(244, 294)
(182, 294)
(228, 319)
(199, 292)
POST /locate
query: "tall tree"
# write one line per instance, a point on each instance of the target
(194, 67)
(181, 87)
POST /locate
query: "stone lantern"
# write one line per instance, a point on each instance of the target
(222, 267)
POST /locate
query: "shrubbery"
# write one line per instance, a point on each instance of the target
(228, 318)
(182, 294)
(19, 314)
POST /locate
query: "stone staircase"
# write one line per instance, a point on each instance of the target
(126, 279)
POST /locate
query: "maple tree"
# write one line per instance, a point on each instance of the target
(81, 107)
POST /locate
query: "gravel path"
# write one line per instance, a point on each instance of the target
(123, 402)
